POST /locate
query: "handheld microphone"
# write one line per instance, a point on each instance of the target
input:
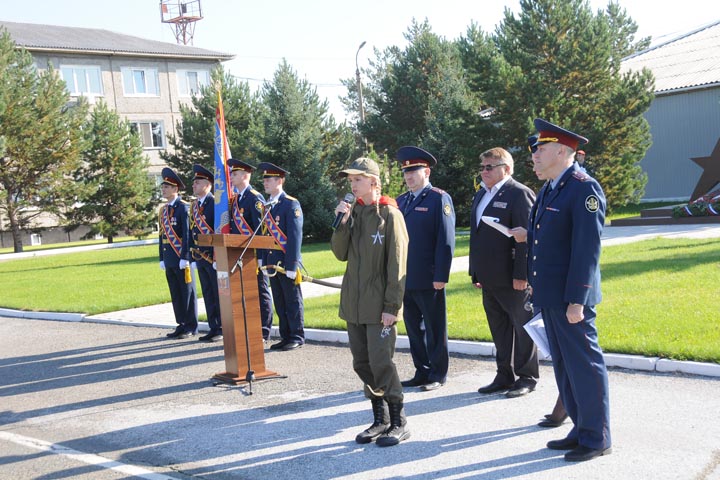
(349, 198)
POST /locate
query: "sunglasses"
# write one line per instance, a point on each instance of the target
(488, 168)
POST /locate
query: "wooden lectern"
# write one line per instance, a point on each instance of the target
(228, 249)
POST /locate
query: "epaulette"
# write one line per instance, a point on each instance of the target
(292, 199)
(254, 192)
(438, 190)
(183, 201)
(580, 175)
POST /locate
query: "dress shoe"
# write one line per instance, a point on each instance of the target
(184, 334)
(563, 444)
(414, 382)
(291, 346)
(519, 391)
(279, 345)
(431, 386)
(549, 422)
(582, 453)
(494, 387)
(212, 336)
(178, 330)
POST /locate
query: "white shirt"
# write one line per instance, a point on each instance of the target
(485, 200)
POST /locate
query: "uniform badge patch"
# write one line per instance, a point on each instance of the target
(447, 210)
(259, 206)
(592, 204)
(298, 212)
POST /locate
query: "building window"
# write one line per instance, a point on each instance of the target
(82, 80)
(140, 81)
(35, 239)
(190, 81)
(151, 133)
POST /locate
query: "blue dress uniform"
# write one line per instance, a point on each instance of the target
(430, 221)
(245, 215)
(564, 232)
(285, 222)
(202, 221)
(175, 246)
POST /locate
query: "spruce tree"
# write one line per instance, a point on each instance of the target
(115, 194)
(295, 125)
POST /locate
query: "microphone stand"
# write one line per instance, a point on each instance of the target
(250, 375)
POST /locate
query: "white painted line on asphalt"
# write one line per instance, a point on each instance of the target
(88, 458)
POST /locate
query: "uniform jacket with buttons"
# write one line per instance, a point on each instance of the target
(181, 225)
(495, 259)
(430, 221)
(374, 280)
(564, 241)
(288, 216)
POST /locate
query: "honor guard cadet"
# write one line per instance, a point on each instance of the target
(284, 222)
(430, 219)
(246, 211)
(563, 238)
(175, 255)
(202, 221)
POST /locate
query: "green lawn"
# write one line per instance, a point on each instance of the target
(660, 296)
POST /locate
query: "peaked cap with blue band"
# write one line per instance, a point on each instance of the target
(171, 178)
(551, 133)
(414, 158)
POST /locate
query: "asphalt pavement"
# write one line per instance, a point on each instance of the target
(114, 398)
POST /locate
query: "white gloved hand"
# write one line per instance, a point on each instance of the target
(184, 264)
(260, 262)
(291, 274)
(193, 265)
(214, 265)
(162, 265)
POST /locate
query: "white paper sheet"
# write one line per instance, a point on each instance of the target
(535, 327)
(495, 223)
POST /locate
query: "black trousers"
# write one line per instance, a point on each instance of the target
(425, 315)
(184, 299)
(516, 352)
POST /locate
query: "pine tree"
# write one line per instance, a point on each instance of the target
(115, 193)
(560, 61)
(419, 96)
(42, 138)
(294, 128)
(195, 139)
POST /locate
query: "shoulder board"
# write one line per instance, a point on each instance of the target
(438, 190)
(580, 176)
(254, 192)
(292, 199)
(184, 202)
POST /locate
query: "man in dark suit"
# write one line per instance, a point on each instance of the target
(246, 211)
(430, 220)
(498, 265)
(202, 221)
(284, 223)
(175, 255)
(563, 240)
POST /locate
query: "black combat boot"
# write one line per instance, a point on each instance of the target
(397, 431)
(380, 423)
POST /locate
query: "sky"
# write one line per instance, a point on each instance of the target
(320, 38)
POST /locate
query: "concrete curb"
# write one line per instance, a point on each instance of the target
(60, 317)
(465, 347)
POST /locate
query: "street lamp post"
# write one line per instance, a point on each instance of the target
(359, 84)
